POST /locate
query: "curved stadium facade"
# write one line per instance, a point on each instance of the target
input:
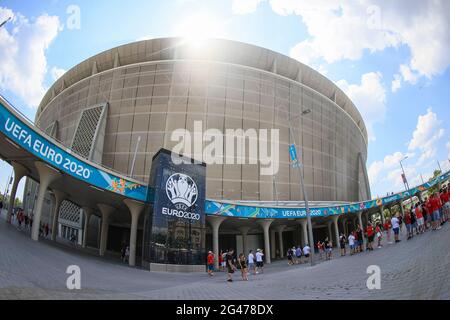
(120, 107)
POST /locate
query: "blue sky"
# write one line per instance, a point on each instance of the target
(392, 62)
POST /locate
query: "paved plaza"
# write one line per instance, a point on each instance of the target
(414, 269)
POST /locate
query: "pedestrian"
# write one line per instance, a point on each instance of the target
(387, 228)
(210, 263)
(298, 254)
(379, 234)
(243, 265)
(230, 265)
(407, 220)
(306, 252)
(396, 228)
(224, 260)
(328, 249)
(46, 230)
(342, 241)
(127, 254)
(259, 261)
(289, 256)
(294, 257)
(420, 219)
(122, 253)
(370, 236)
(351, 242)
(359, 233)
(413, 221)
(251, 262)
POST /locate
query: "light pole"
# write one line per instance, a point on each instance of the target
(134, 157)
(302, 183)
(405, 181)
(4, 22)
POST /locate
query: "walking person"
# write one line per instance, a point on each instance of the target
(127, 254)
(342, 241)
(289, 256)
(243, 266)
(351, 242)
(396, 228)
(387, 228)
(230, 265)
(370, 236)
(379, 234)
(420, 219)
(407, 219)
(251, 262)
(122, 253)
(359, 236)
(321, 249)
(210, 263)
(306, 252)
(298, 254)
(259, 261)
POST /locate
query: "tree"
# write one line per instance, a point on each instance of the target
(434, 188)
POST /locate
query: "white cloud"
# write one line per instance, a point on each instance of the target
(346, 29)
(408, 75)
(389, 161)
(245, 6)
(396, 83)
(23, 64)
(369, 97)
(448, 146)
(425, 136)
(56, 73)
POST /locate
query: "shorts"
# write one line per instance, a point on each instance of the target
(352, 246)
(371, 238)
(342, 245)
(408, 227)
(210, 267)
(436, 216)
(307, 255)
(396, 231)
(420, 222)
(224, 264)
(259, 264)
(251, 265)
(230, 270)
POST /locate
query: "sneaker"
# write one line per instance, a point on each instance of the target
(230, 280)
(438, 228)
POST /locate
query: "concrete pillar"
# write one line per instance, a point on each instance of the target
(280, 240)
(360, 223)
(136, 209)
(59, 198)
(19, 172)
(47, 175)
(336, 229)
(330, 235)
(304, 224)
(215, 222)
(244, 231)
(272, 244)
(87, 216)
(382, 214)
(265, 225)
(106, 212)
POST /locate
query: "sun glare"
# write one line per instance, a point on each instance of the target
(199, 27)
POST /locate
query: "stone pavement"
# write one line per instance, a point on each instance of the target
(414, 269)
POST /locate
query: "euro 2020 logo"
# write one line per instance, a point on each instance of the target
(181, 190)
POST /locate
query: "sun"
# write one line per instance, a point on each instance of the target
(198, 27)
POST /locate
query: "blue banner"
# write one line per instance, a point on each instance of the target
(27, 138)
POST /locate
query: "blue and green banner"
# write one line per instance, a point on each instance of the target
(27, 138)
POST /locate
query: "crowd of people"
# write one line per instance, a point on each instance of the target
(419, 218)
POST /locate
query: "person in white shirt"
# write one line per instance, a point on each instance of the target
(306, 252)
(395, 227)
(351, 243)
(259, 261)
(251, 262)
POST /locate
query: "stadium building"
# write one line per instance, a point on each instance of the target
(120, 107)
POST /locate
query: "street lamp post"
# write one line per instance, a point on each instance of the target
(302, 183)
(405, 181)
(4, 22)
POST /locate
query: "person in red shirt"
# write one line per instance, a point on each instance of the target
(420, 219)
(210, 263)
(379, 234)
(370, 235)
(387, 227)
(408, 224)
(444, 200)
(433, 208)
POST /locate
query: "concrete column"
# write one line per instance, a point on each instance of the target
(47, 175)
(360, 223)
(244, 231)
(106, 212)
(304, 224)
(330, 235)
(336, 229)
(272, 244)
(19, 172)
(215, 222)
(265, 225)
(280, 240)
(87, 216)
(135, 208)
(59, 198)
